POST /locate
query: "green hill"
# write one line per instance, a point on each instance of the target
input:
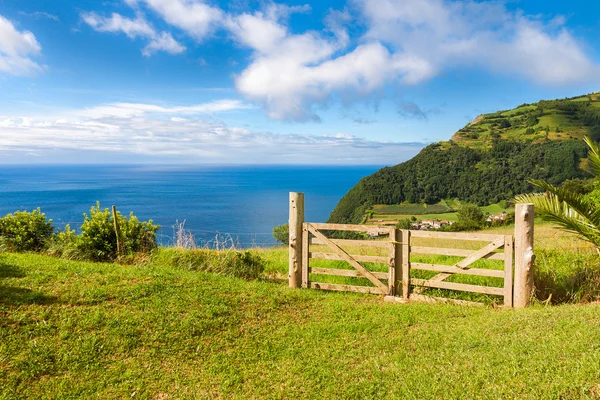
(489, 160)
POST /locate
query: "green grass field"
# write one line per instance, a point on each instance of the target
(444, 210)
(82, 330)
(161, 331)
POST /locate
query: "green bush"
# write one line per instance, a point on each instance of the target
(239, 264)
(25, 231)
(98, 240)
(404, 223)
(281, 233)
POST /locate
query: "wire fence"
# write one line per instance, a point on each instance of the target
(178, 235)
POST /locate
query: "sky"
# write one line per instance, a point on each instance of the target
(259, 82)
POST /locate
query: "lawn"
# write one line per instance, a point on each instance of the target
(85, 330)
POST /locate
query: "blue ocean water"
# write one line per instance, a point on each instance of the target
(238, 203)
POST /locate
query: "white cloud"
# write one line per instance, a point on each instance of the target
(483, 34)
(392, 42)
(16, 48)
(194, 17)
(179, 134)
(40, 15)
(135, 28)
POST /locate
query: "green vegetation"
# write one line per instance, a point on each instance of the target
(153, 331)
(491, 160)
(97, 241)
(412, 209)
(239, 264)
(25, 231)
(281, 233)
(546, 120)
(573, 211)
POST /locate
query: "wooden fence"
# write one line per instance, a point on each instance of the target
(385, 265)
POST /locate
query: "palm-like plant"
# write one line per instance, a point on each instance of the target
(574, 212)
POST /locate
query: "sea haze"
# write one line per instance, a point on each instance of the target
(243, 202)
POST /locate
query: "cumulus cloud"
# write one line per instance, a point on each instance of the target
(482, 34)
(179, 134)
(390, 42)
(16, 49)
(135, 28)
(194, 17)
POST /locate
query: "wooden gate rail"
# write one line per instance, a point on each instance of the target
(340, 254)
(398, 247)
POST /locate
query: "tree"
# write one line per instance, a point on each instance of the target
(573, 211)
(281, 233)
(470, 214)
(404, 223)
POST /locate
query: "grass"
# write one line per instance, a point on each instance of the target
(83, 330)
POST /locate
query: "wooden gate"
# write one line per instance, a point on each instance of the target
(464, 266)
(338, 250)
(395, 262)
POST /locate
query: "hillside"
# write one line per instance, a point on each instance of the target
(489, 160)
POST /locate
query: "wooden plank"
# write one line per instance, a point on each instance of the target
(345, 288)
(458, 286)
(475, 237)
(349, 259)
(356, 243)
(305, 255)
(437, 278)
(332, 256)
(444, 251)
(345, 272)
(508, 272)
(406, 263)
(351, 228)
(480, 253)
(443, 300)
(453, 270)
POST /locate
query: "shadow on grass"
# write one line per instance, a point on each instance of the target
(10, 271)
(19, 296)
(10, 295)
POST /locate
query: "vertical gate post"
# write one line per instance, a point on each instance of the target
(395, 264)
(524, 255)
(405, 264)
(295, 239)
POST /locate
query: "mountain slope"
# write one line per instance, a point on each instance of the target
(489, 160)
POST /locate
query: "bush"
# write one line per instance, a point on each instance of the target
(281, 233)
(404, 223)
(25, 231)
(239, 264)
(98, 240)
(470, 218)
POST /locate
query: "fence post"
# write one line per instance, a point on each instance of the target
(405, 264)
(524, 255)
(295, 238)
(117, 230)
(395, 263)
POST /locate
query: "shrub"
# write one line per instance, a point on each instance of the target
(281, 233)
(239, 264)
(25, 231)
(98, 240)
(404, 223)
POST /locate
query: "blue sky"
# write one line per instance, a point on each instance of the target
(236, 82)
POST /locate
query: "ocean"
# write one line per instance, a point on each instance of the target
(239, 204)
